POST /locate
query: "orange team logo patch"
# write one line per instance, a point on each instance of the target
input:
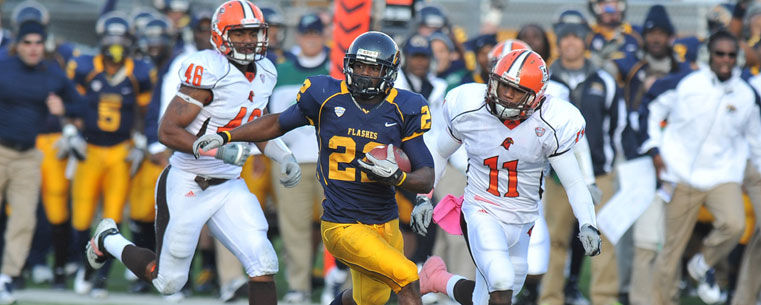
(251, 96)
(190, 194)
(250, 76)
(507, 142)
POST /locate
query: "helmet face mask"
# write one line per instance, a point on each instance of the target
(247, 49)
(516, 85)
(116, 41)
(372, 49)
(239, 15)
(509, 105)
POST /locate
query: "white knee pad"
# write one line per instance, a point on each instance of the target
(500, 281)
(170, 284)
(262, 259)
(521, 269)
(182, 241)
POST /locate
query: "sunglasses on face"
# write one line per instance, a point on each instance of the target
(723, 54)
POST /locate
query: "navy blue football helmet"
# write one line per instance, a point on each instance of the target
(29, 10)
(372, 48)
(114, 33)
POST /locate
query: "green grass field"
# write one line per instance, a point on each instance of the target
(118, 286)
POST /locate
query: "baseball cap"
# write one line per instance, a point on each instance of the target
(571, 22)
(310, 22)
(417, 45)
(657, 18)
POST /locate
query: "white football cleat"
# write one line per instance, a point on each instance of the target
(708, 290)
(81, 284)
(95, 252)
(6, 295)
(41, 273)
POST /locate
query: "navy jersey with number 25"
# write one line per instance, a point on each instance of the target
(345, 132)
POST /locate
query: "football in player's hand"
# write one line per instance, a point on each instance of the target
(402, 160)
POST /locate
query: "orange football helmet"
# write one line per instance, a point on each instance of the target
(505, 47)
(525, 72)
(234, 15)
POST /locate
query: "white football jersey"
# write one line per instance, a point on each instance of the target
(506, 165)
(237, 99)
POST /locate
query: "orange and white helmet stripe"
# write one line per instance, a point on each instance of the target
(238, 14)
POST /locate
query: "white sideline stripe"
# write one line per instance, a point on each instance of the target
(52, 297)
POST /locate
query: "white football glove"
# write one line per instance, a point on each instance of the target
(207, 142)
(595, 192)
(71, 143)
(385, 171)
(421, 215)
(137, 153)
(233, 153)
(590, 239)
(290, 171)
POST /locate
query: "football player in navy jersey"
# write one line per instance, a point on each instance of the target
(360, 225)
(116, 89)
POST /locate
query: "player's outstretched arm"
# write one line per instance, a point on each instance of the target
(264, 128)
(180, 112)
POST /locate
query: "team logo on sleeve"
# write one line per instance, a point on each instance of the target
(339, 111)
(507, 142)
(539, 131)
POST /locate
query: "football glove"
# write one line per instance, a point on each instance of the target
(233, 153)
(385, 171)
(422, 214)
(290, 171)
(207, 142)
(590, 239)
(71, 143)
(137, 153)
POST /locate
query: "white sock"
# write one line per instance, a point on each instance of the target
(701, 263)
(115, 244)
(450, 284)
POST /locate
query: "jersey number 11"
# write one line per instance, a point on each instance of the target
(512, 176)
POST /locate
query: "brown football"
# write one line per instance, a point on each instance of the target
(402, 160)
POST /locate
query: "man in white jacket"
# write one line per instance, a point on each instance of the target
(712, 120)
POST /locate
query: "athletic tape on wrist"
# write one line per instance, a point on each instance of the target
(277, 150)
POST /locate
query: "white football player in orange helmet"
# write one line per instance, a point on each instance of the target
(220, 90)
(511, 135)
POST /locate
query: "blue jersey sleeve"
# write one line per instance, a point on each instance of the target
(292, 118)
(145, 77)
(417, 121)
(418, 153)
(308, 102)
(417, 116)
(73, 102)
(309, 98)
(77, 69)
(151, 128)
